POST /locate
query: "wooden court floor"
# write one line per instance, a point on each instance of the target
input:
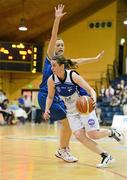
(27, 153)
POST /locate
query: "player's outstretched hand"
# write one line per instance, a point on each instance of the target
(100, 55)
(59, 11)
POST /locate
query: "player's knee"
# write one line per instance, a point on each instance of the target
(79, 135)
(93, 135)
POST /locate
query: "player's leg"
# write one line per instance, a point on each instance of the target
(94, 131)
(65, 133)
(93, 146)
(100, 133)
(58, 112)
(77, 127)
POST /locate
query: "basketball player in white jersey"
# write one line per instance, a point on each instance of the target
(66, 83)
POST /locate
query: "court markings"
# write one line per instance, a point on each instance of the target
(73, 140)
(55, 139)
(50, 138)
(107, 170)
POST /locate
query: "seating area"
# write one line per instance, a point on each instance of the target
(111, 104)
(107, 112)
(118, 79)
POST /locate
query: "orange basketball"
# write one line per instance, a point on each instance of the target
(84, 104)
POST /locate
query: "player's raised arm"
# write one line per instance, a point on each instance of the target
(58, 15)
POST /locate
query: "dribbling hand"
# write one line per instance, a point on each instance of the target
(94, 103)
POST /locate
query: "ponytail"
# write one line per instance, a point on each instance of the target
(68, 63)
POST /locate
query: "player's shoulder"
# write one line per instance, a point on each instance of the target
(73, 72)
(47, 58)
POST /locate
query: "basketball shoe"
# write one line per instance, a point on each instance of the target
(118, 136)
(65, 154)
(106, 160)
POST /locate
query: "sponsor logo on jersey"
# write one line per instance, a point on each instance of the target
(91, 122)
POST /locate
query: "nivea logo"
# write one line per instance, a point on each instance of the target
(91, 122)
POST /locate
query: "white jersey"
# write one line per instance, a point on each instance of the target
(67, 90)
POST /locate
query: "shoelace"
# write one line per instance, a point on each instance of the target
(66, 153)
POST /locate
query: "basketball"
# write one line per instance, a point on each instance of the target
(84, 104)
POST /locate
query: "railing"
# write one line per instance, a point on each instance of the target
(110, 73)
(106, 77)
(100, 82)
(97, 86)
(115, 67)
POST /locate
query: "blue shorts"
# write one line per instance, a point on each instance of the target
(57, 110)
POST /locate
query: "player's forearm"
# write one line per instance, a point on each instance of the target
(48, 103)
(91, 59)
(93, 94)
(85, 60)
(55, 27)
(53, 39)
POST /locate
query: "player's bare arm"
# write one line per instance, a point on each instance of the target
(58, 15)
(89, 60)
(82, 83)
(49, 100)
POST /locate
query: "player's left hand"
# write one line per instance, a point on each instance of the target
(94, 103)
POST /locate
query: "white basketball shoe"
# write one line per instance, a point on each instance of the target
(65, 155)
(106, 161)
(119, 136)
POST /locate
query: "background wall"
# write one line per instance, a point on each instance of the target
(13, 83)
(80, 41)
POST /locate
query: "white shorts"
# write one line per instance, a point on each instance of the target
(79, 121)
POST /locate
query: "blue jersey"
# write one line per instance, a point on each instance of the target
(58, 109)
(47, 72)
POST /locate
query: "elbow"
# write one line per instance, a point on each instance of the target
(92, 90)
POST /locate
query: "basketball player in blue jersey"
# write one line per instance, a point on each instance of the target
(66, 83)
(56, 46)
